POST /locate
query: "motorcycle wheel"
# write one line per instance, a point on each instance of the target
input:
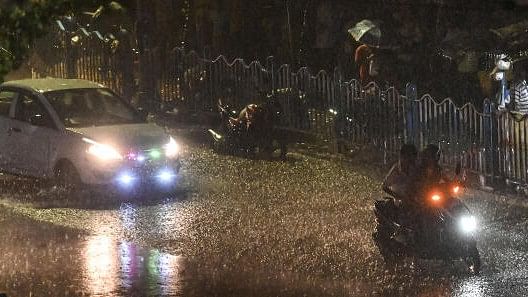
(382, 239)
(382, 232)
(473, 261)
(218, 147)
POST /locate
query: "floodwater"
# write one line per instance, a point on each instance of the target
(240, 227)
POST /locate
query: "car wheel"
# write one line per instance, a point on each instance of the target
(67, 177)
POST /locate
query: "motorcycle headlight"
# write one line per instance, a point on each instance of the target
(171, 148)
(468, 224)
(102, 151)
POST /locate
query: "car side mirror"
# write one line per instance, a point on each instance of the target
(38, 120)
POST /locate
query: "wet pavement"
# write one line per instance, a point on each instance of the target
(238, 227)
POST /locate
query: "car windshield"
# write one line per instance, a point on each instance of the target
(91, 107)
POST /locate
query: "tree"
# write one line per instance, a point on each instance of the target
(22, 22)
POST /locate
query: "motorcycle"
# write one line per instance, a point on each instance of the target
(449, 234)
(235, 137)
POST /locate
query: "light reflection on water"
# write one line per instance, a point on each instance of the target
(164, 219)
(112, 267)
(163, 270)
(127, 213)
(471, 287)
(101, 265)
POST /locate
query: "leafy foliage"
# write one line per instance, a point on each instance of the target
(25, 21)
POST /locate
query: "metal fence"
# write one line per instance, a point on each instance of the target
(91, 58)
(490, 143)
(327, 105)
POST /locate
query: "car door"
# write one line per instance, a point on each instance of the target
(32, 132)
(7, 100)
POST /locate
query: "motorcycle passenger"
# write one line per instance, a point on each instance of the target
(429, 169)
(429, 173)
(400, 179)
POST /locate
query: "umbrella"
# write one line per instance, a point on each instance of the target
(367, 32)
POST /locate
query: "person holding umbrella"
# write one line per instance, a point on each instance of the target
(363, 56)
(368, 34)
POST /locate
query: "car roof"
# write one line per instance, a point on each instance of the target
(43, 85)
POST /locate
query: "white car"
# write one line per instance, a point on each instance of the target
(79, 132)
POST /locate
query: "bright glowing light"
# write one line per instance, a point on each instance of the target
(468, 224)
(155, 154)
(436, 197)
(102, 151)
(125, 178)
(166, 175)
(215, 135)
(456, 189)
(172, 148)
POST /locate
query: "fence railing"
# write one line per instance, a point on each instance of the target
(490, 143)
(90, 59)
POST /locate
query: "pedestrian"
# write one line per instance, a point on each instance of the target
(364, 57)
(519, 90)
(502, 64)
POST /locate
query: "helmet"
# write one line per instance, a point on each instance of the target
(431, 152)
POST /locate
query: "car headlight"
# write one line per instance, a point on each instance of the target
(102, 151)
(468, 224)
(172, 148)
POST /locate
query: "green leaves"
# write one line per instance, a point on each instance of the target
(25, 21)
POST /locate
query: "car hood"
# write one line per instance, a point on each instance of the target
(138, 136)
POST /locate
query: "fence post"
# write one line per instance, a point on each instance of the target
(125, 63)
(338, 111)
(71, 58)
(270, 65)
(146, 88)
(206, 54)
(410, 114)
(482, 167)
(492, 150)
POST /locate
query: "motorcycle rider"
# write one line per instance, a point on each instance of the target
(408, 178)
(429, 173)
(246, 116)
(399, 181)
(429, 169)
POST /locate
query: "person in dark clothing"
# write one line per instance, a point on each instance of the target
(519, 90)
(429, 172)
(400, 182)
(400, 177)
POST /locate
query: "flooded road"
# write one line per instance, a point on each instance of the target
(239, 227)
(44, 260)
